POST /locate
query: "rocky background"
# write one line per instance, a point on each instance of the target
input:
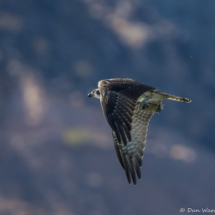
(56, 149)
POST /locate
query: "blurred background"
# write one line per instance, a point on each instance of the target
(56, 150)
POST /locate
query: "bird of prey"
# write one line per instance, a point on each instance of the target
(128, 105)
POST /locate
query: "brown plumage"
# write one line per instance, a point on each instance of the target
(128, 105)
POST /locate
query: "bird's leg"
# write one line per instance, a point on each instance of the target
(159, 108)
(150, 106)
(143, 104)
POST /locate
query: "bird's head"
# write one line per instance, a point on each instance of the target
(95, 93)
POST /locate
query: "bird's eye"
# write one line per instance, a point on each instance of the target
(94, 92)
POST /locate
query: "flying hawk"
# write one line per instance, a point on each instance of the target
(128, 105)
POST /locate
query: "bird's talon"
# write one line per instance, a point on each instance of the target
(160, 107)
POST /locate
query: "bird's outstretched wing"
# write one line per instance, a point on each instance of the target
(118, 100)
(130, 155)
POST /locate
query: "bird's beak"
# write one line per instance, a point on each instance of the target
(89, 95)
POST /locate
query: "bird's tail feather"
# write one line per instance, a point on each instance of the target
(172, 97)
